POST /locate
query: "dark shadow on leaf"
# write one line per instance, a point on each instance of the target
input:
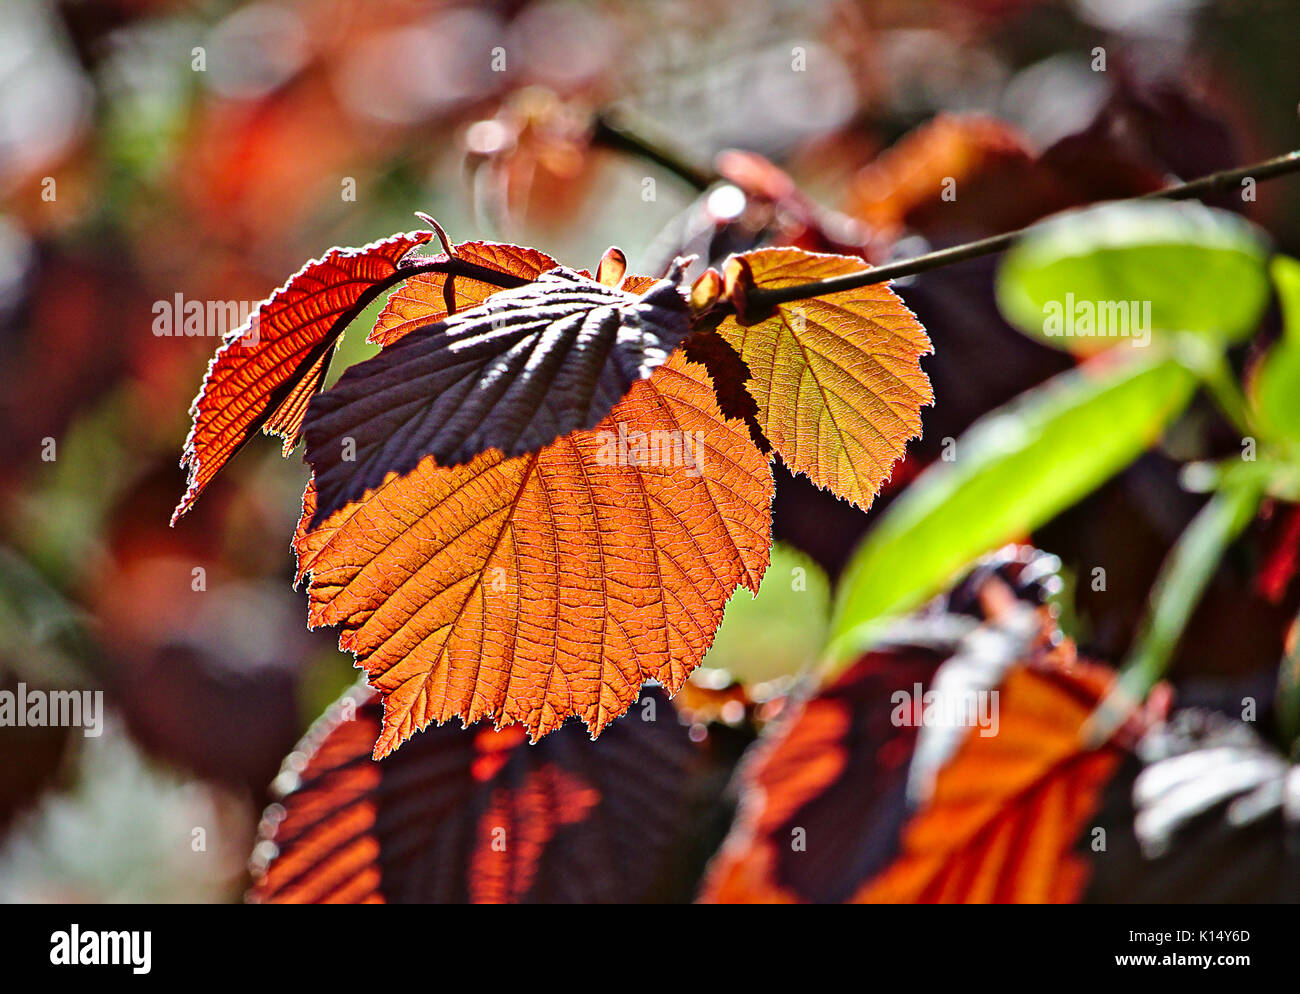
(527, 367)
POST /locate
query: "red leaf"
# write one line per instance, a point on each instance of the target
(265, 372)
(967, 171)
(835, 769)
(1007, 809)
(842, 773)
(476, 815)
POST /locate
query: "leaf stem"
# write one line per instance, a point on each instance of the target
(1222, 386)
(762, 298)
(454, 267)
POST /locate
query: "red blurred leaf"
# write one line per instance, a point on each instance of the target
(1007, 809)
(476, 815)
(956, 172)
(1283, 554)
(863, 794)
(835, 769)
(265, 371)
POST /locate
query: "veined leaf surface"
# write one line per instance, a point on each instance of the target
(522, 369)
(543, 586)
(837, 378)
(265, 372)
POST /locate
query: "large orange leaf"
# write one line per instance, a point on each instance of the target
(265, 372)
(543, 586)
(837, 378)
(1006, 810)
(476, 815)
(429, 297)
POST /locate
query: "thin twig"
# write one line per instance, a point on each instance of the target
(760, 298)
(612, 131)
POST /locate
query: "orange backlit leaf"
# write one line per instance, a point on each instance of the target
(555, 584)
(429, 297)
(837, 379)
(1005, 813)
(955, 162)
(476, 815)
(266, 371)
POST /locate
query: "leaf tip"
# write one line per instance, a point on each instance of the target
(612, 268)
(438, 230)
(739, 288)
(705, 291)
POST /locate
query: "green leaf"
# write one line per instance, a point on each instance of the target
(1135, 269)
(1013, 470)
(1275, 391)
(779, 631)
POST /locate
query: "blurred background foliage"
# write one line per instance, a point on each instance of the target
(208, 148)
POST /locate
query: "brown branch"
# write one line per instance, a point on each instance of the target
(760, 299)
(613, 131)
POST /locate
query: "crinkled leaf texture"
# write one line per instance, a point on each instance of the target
(523, 368)
(837, 378)
(476, 816)
(555, 584)
(265, 372)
